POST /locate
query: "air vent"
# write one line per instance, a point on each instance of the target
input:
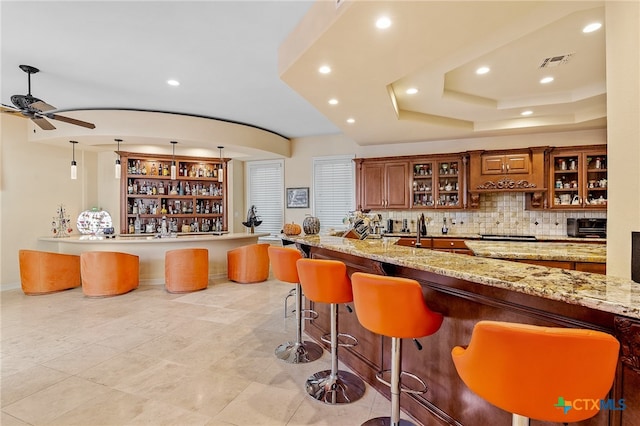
(555, 61)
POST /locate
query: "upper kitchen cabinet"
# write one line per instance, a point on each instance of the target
(438, 182)
(578, 178)
(382, 183)
(520, 170)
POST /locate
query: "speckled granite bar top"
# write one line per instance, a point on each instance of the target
(572, 252)
(601, 292)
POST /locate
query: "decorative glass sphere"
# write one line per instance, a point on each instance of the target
(93, 221)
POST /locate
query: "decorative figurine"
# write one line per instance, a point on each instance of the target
(252, 219)
(61, 225)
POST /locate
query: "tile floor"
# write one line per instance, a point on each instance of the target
(150, 357)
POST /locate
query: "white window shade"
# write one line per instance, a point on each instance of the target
(333, 190)
(266, 192)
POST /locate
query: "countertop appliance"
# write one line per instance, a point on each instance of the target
(587, 227)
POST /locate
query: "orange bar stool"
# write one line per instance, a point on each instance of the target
(326, 281)
(394, 307)
(186, 270)
(248, 264)
(283, 265)
(108, 273)
(543, 373)
(43, 272)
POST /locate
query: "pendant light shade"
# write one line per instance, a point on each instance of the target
(118, 168)
(173, 162)
(74, 165)
(221, 170)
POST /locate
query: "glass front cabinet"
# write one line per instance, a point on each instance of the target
(578, 179)
(438, 182)
(195, 201)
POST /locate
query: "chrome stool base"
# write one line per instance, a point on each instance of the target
(299, 353)
(342, 388)
(386, 421)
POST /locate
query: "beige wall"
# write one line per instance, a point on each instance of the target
(623, 112)
(35, 180)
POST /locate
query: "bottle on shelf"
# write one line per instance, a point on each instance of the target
(132, 228)
(137, 225)
(445, 229)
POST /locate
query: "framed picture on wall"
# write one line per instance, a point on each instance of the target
(297, 198)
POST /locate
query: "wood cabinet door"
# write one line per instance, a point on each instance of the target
(397, 188)
(372, 185)
(517, 163)
(492, 164)
(503, 164)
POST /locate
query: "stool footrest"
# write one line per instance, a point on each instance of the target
(309, 315)
(348, 341)
(420, 389)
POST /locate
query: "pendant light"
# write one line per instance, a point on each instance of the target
(173, 162)
(220, 171)
(118, 168)
(74, 165)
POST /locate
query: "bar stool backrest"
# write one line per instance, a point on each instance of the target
(392, 306)
(538, 372)
(283, 263)
(325, 281)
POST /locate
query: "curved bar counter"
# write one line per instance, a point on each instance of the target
(468, 289)
(151, 250)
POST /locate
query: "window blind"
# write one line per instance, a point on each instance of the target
(333, 190)
(266, 189)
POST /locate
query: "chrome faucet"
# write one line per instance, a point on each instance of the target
(421, 228)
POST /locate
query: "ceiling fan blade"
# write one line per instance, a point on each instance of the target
(41, 106)
(9, 110)
(71, 121)
(43, 123)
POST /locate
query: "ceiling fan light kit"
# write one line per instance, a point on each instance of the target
(28, 106)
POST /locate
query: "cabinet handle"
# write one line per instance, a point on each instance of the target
(451, 244)
(502, 166)
(507, 168)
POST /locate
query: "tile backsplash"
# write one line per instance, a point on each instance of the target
(498, 214)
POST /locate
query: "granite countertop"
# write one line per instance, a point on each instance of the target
(601, 292)
(562, 238)
(512, 250)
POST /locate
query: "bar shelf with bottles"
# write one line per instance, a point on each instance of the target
(194, 202)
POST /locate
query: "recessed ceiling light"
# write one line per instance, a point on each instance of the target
(325, 69)
(482, 70)
(173, 82)
(383, 23)
(412, 91)
(333, 101)
(351, 120)
(595, 26)
(546, 80)
(526, 113)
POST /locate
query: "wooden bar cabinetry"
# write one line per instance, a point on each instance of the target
(578, 178)
(196, 201)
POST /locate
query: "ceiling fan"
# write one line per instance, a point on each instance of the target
(37, 110)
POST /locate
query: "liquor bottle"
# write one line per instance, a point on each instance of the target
(165, 170)
(134, 210)
(153, 169)
(136, 225)
(444, 226)
(143, 171)
(130, 187)
(132, 228)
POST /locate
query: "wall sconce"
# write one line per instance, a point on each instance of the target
(118, 168)
(173, 162)
(74, 165)
(220, 171)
